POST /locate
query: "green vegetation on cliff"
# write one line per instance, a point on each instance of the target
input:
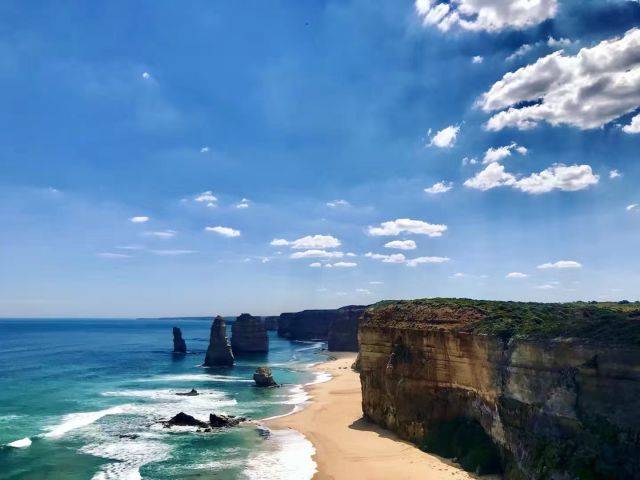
(607, 322)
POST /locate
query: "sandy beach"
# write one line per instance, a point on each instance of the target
(348, 447)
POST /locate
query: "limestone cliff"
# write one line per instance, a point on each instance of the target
(179, 345)
(343, 329)
(219, 351)
(540, 391)
(248, 335)
(270, 323)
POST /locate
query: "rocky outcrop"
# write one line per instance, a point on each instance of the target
(270, 323)
(248, 335)
(179, 345)
(339, 325)
(184, 420)
(343, 329)
(540, 391)
(215, 421)
(191, 393)
(219, 421)
(219, 352)
(264, 377)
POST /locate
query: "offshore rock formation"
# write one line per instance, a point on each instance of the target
(337, 325)
(343, 329)
(219, 352)
(248, 335)
(264, 377)
(270, 323)
(540, 391)
(179, 345)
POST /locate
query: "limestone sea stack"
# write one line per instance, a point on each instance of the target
(264, 377)
(179, 345)
(219, 352)
(271, 323)
(248, 335)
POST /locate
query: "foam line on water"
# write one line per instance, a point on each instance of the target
(196, 377)
(22, 443)
(73, 421)
(289, 456)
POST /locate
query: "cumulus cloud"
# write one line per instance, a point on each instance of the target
(469, 161)
(206, 197)
(316, 253)
(394, 258)
(614, 174)
(587, 90)
(485, 15)
(401, 244)
(477, 59)
(140, 219)
(204, 149)
(516, 275)
(444, 138)
(491, 177)
(315, 265)
(343, 265)
(224, 231)
(146, 75)
(407, 225)
(557, 177)
(560, 265)
(414, 262)
(632, 207)
(279, 242)
(520, 52)
(337, 203)
(633, 127)
(496, 154)
(244, 203)
(439, 187)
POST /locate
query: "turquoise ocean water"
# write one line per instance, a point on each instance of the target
(82, 399)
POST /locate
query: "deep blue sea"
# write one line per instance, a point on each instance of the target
(83, 398)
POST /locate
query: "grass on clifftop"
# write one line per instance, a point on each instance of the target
(606, 322)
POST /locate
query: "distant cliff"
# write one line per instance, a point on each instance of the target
(338, 326)
(539, 391)
(248, 335)
(270, 323)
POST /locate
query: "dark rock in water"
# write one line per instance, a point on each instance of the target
(264, 377)
(248, 335)
(184, 420)
(270, 323)
(219, 352)
(179, 345)
(219, 421)
(192, 393)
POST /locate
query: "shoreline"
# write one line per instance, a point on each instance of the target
(346, 445)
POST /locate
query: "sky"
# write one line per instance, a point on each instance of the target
(166, 158)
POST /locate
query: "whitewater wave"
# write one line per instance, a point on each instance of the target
(196, 377)
(74, 421)
(22, 443)
(288, 457)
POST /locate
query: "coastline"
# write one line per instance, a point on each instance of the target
(347, 446)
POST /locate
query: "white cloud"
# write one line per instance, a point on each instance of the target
(546, 286)
(516, 275)
(394, 258)
(469, 161)
(634, 126)
(345, 264)
(420, 260)
(559, 42)
(587, 90)
(401, 244)
(244, 203)
(561, 264)
(520, 52)
(314, 253)
(162, 234)
(204, 149)
(363, 291)
(172, 253)
(113, 256)
(315, 265)
(338, 203)
(558, 177)
(459, 275)
(445, 138)
(224, 231)
(146, 75)
(477, 59)
(279, 242)
(407, 225)
(487, 15)
(207, 196)
(496, 154)
(376, 283)
(491, 177)
(315, 241)
(632, 207)
(614, 174)
(140, 219)
(439, 187)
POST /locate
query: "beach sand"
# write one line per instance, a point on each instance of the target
(347, 446)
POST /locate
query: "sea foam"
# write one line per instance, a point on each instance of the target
(289, 457)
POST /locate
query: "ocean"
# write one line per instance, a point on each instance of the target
(83, 398)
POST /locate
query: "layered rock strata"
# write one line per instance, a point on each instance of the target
(219, 352)
(540, 391)
(343, 329)
(179, 345)
(248, 335)
(270, 323)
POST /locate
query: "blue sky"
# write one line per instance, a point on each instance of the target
(321, 123)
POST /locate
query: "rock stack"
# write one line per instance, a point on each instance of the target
(248, 335)
(219, 352)
(270, 323)
(179, 345)
(264, 377)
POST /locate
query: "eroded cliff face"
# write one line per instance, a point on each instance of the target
(219, 351)
(559, 408)
(249, 335)
(343, 329)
